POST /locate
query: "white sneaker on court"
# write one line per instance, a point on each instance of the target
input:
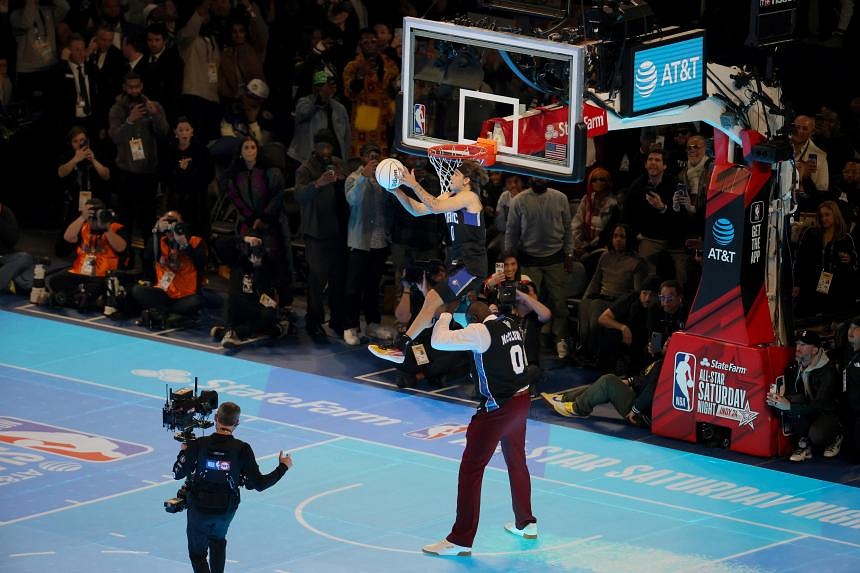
(445, 547)
(528, 532)
(350, 336)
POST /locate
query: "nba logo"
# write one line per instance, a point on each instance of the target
(757, 212)
(443, 430)
(684, 381)
(419, 121)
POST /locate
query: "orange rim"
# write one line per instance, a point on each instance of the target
(459, 151)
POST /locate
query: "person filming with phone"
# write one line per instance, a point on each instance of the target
(648, 210)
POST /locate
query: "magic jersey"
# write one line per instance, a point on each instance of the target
(468, 235)
(501, 368)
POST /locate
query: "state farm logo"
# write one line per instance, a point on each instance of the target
(646, 78)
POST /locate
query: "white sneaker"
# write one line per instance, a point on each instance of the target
(528, 532)
(231, 339)
(803, 451)
(445, 547)
(350, 336)
(561, 349)
(833, 449)
(375, 330)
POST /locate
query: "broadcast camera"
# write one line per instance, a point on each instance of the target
(185, 411)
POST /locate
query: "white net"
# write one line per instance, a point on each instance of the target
(447, 158)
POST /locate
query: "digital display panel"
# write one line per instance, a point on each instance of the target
(665, 72)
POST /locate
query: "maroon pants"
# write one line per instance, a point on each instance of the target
(508, 426)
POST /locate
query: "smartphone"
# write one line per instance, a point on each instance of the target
(813, 159)
(656, 341)
(500, 267)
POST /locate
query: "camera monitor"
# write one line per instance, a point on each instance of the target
(461, 83)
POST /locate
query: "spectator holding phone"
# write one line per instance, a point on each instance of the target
(667, 317)
(648, 210)
(811, 162)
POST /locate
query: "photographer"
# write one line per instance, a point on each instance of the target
(252, 299)
(423, 362)
(213, 495)
(136, 123)
(513, 294)
(99, 248)
(83, 176)
(179, 261)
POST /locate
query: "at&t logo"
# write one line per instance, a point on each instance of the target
(723, 233)
(646, 78)
(675, 71)
(684, 381)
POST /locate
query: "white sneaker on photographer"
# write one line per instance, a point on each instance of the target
(380, 332)
(351, 337)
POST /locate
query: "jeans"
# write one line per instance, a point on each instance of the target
(207, 534)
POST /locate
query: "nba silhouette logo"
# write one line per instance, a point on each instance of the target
(419, 119)
(684, 381)
(757, 212)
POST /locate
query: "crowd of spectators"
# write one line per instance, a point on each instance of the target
(185, 129)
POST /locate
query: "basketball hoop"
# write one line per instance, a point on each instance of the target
(446, 158)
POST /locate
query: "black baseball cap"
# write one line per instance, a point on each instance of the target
(809, 337)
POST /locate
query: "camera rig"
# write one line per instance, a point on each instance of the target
(185, 411)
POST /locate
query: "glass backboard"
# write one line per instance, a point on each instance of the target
(460, 83)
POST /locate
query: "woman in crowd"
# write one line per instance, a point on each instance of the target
(825, 270)
(187, 170)
(597, 211)
(256, 190)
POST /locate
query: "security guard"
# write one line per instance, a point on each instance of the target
(218, 464)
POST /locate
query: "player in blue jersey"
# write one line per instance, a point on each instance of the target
(467, 255)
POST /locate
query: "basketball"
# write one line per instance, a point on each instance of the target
(389, 173)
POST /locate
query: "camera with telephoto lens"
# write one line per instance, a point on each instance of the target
(178, 228)
(507, 294)
(417, 270)
(103, 217)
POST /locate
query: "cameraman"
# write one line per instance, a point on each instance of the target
(252, 299)
(423, 361)
(98, 251)
(179, 261)
(213, 495)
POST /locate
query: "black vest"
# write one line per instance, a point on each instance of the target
(215, 487)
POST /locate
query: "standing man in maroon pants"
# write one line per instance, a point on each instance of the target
(500, 364)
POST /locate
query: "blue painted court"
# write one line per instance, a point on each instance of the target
(84, 469)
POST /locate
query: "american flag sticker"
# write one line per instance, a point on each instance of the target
(557, 151)
(419, 119)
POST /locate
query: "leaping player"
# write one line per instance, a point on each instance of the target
(467, 255)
